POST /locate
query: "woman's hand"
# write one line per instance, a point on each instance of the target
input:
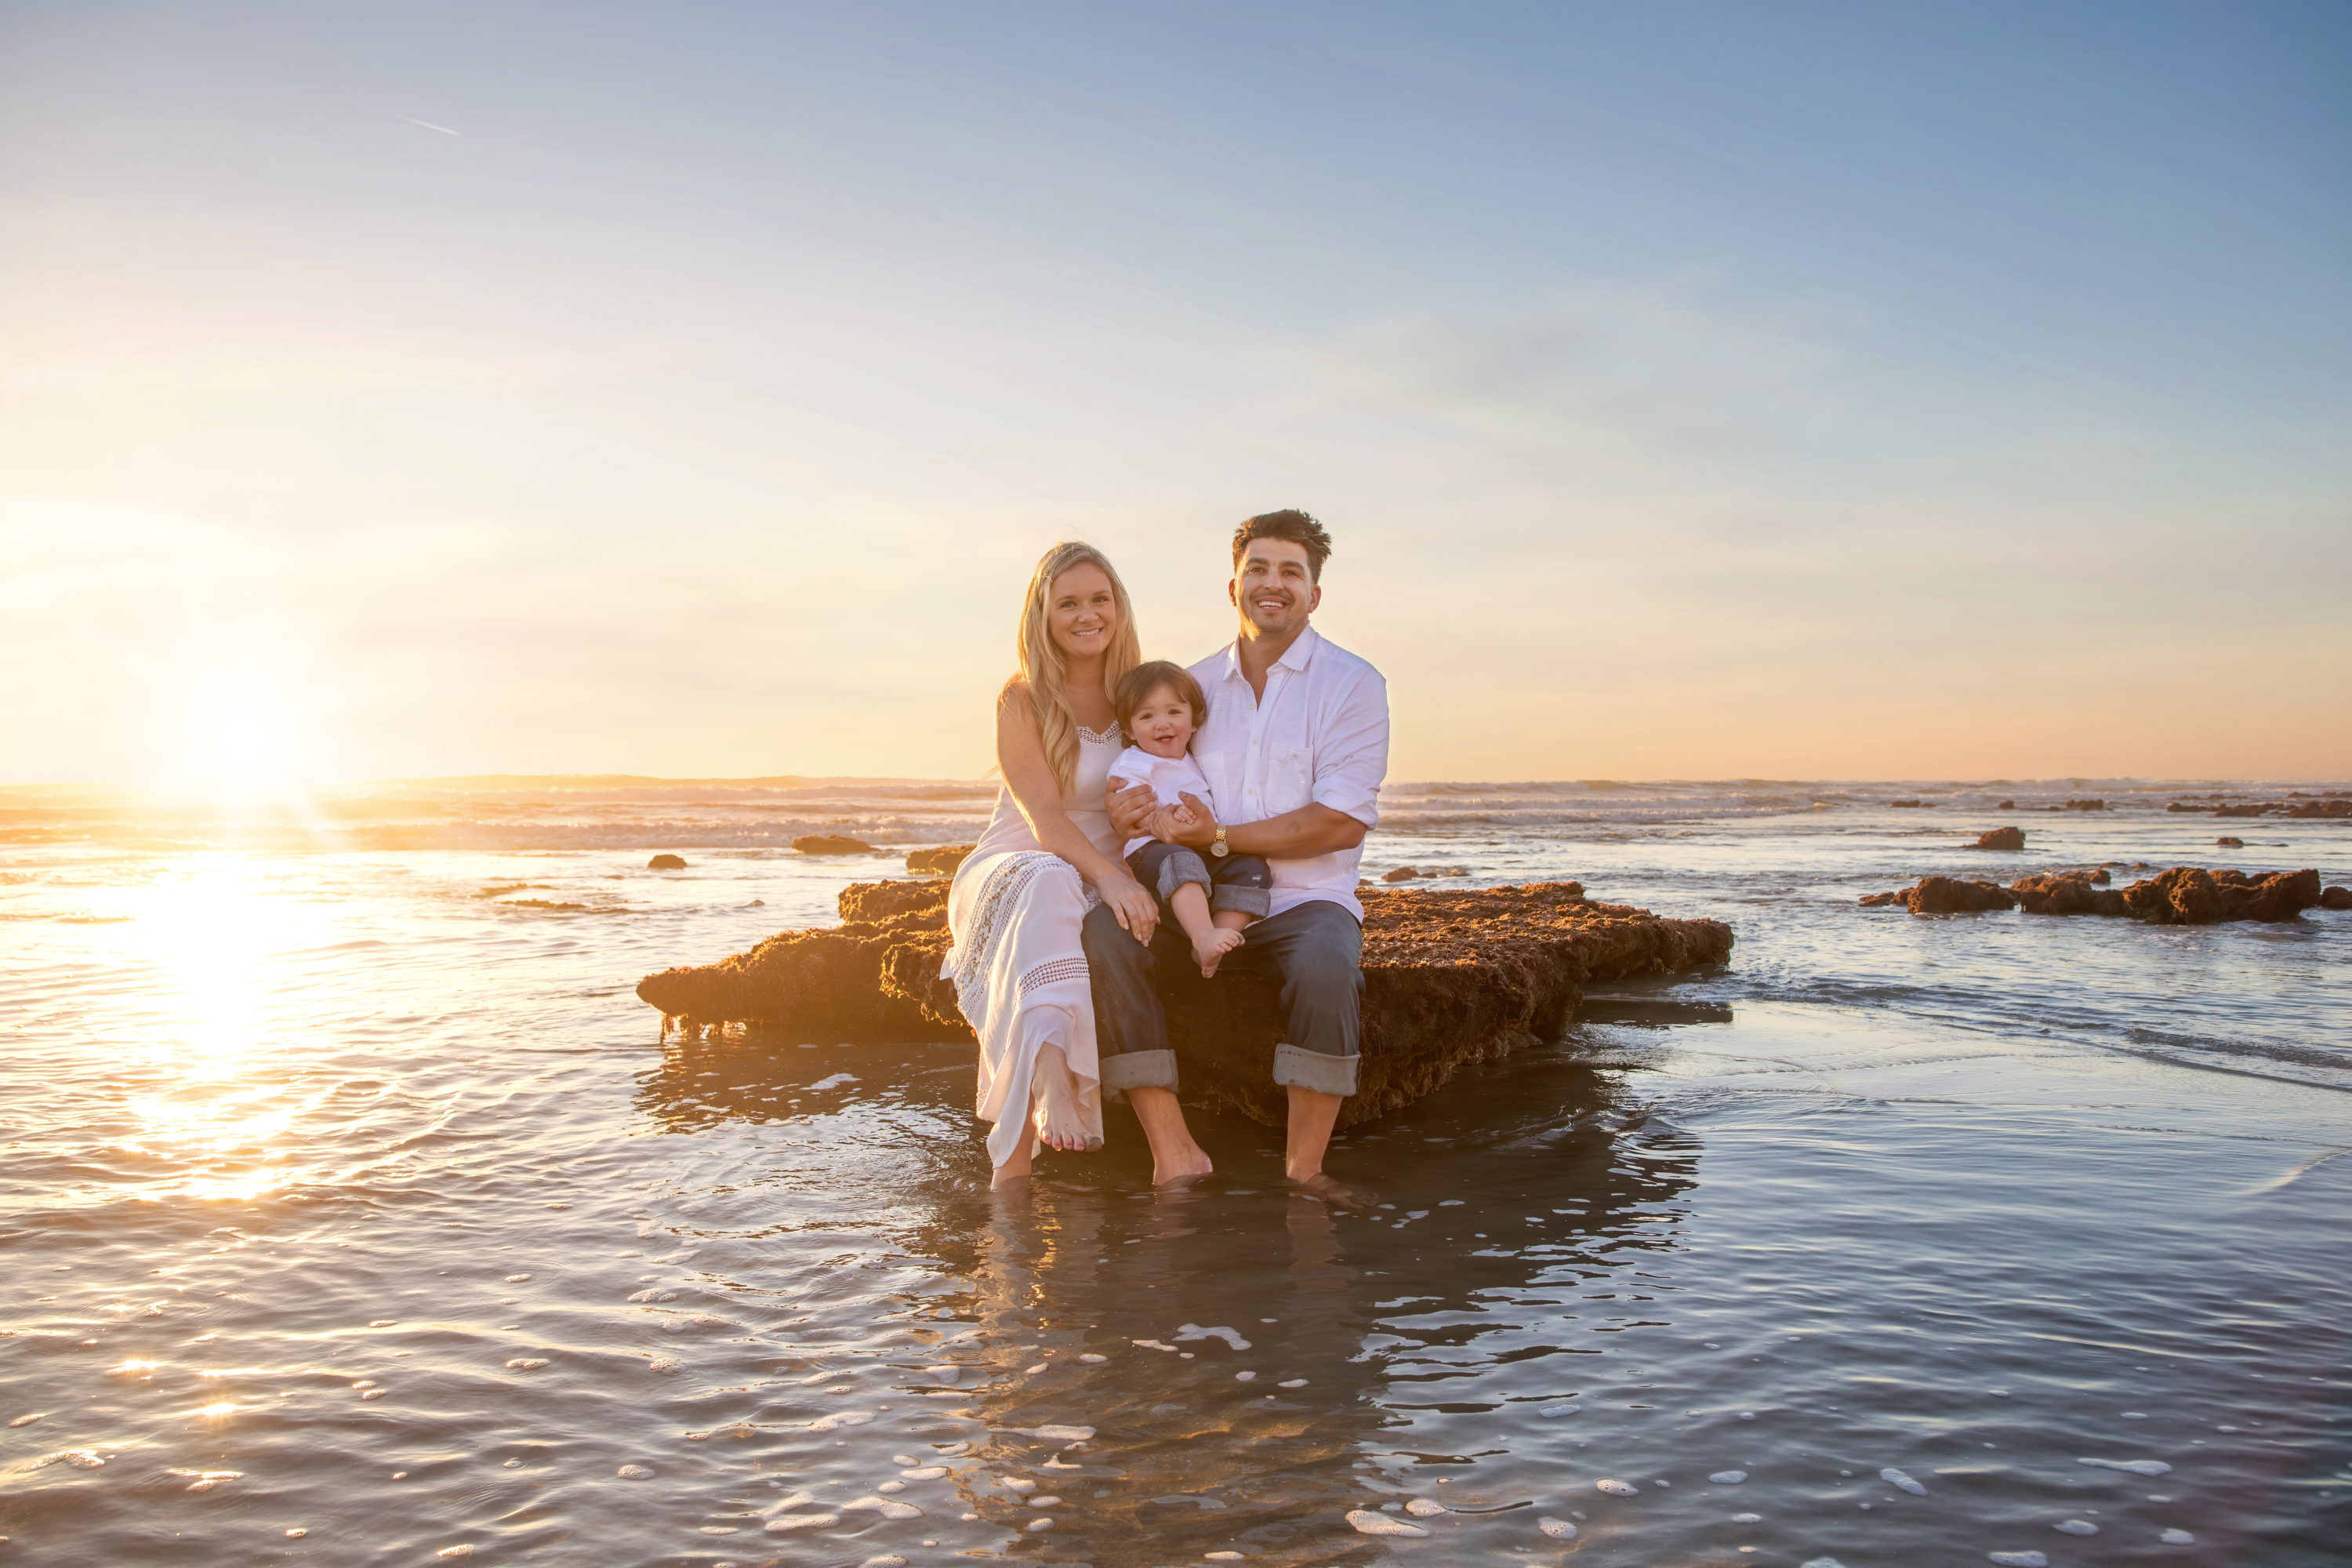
(1137, 910)
(1129, 808)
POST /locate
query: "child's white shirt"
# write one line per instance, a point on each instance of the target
(1171, 779)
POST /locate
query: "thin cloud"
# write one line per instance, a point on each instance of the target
(428, 125)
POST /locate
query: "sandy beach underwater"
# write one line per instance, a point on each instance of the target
(355, 1211)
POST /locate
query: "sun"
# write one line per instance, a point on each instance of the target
(240, 736)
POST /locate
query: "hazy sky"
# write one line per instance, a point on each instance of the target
(1692, 390)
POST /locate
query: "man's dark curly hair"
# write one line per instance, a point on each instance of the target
(1293, 525)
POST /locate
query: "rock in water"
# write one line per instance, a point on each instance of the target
(1945, 896)
(1450, 979)
(832, 844)
(1401, 874)
(2227, 842)
(2067, 893)
(666, 863)
(940, 862)
(2336, 897)
(2001, 838)
(2192, 895)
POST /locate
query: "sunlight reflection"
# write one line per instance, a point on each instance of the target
(215, 1097)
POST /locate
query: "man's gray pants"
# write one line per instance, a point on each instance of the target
(1315, 951)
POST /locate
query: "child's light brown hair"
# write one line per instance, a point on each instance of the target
(1146, 679)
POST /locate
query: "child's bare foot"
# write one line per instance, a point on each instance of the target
(1209, 950)
(1054, 1105)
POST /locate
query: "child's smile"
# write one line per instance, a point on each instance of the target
(1162, 723)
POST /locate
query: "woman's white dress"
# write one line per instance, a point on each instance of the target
(1019, 969)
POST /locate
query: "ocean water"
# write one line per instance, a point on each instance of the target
(352, 1210)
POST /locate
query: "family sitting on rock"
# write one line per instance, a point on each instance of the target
(1213, 816)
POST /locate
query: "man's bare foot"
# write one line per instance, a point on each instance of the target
(1054, 1105)
(1333, 1191)
(1207, 951)
(1183, 1168)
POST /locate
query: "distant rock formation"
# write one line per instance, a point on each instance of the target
(2005, 805)
(832, 844)
(2001, 838)
(666, 863)
(940, 862)
(1913, 804)
(2186, 895)
(1450, 979)
(2227, 842)
(2086, 805)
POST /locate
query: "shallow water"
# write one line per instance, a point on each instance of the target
(378, 1204)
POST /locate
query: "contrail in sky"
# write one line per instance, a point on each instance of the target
(429, 125)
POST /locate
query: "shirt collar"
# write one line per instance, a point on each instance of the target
(1296, 658)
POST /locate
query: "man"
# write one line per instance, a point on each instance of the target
(1294, 750)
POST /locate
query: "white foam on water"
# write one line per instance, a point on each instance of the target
(1617, 1487)
(2075, 1527)
(2018, 1559)
(1090, 1358)
(1195, 1332)
(1747, 1519)
(1558, 1529)
(2135, 1415)
(1728, 1478)
(1291, 1383)
(904, 1459)
(886, 1506)
(1039, 1524)
(1366, 1522)
(1058, 1434)
(891, 1486)
(665, 1364)
(839, 1419)
(1014, 1483)
(887, 1560)
(1423, 1508)
(784, 1521)
(1045, 1501)
(1549, 1411)
(1895, 1477)
(2135, 1467)
(1244, 1376)
(635, 1472)
(517, 1279)
(527, 1363)
(1822, 1562)
(924, 1472)
(2178, 1538)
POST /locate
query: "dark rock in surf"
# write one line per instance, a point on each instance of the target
(2192, 895)
(2227, 842)
(1450, 979)
(1910, 804)
(2001, 838)
(1951, 896)
(666, 863)
(2086, 805)
(832, 844)
(2067, 893)
(2005, 805)
(2336, 897)
(940, 862)
(2319, 811)
(1401, 874)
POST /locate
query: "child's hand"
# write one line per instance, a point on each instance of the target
(1182, 816)
(1162, 826)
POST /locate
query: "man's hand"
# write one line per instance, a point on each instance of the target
(1130, 810)
(1202, 830)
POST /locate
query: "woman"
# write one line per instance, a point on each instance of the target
(1049, 856)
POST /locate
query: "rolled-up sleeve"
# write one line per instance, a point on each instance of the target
(1351, 754)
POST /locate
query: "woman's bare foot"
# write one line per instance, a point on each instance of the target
(1209, 950)
(1054, 1105)
(1016, 1168)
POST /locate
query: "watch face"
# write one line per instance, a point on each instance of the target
(1219, 849)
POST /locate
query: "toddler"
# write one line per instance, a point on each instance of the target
(1160, 707)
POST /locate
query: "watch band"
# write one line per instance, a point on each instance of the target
(1217, 846)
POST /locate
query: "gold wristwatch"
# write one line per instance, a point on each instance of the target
(1217, 846)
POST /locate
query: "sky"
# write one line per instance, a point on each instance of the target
(1696, 391)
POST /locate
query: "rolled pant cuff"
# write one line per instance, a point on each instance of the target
(1248, 900)
(1178, 868)
(1307, 1070)
(1139, 1069)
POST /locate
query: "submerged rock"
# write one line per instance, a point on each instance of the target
(832, 844)
(940, 862)
(666, 863)
(2000, 838)
(1450, 979)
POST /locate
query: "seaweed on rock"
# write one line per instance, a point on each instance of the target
(1450, 979)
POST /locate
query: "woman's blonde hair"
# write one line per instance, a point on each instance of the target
(1045, 669)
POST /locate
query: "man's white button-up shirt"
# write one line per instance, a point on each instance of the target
(1320, 733)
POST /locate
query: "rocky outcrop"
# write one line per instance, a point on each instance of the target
(2000, 838)
(2227, 842)
(2336, 897)
(832, 844)
(2192, 895)
(940, 862)
(1450, 979)
(2005, 805)
(666, 863)
(2067, 893)
(2186, 895)
(2086, 805)
(1946, 896)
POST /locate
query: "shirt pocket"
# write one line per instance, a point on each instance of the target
(1289, 779)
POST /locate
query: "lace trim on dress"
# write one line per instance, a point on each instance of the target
(1111, 737)
(977, 955)
(1052, 971)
